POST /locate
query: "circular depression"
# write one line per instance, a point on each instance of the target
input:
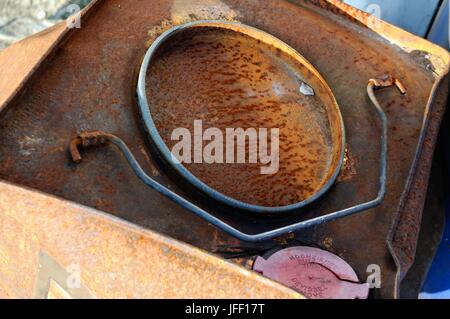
(231, 76)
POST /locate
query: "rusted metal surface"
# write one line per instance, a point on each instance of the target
(19, 62)
(89, 85)
(231, 76)
(432, 225)
(51, 248)
(403, 236)
(388, 81)
(86, 140)
(405, 232)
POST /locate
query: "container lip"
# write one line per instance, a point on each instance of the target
(155, 137)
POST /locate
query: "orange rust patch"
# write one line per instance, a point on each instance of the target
(230, 80)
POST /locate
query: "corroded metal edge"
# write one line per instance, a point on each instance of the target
(403, 39)
(113, 258)
(404, 235)
(21, 61)
(49, 40)
(395, 35)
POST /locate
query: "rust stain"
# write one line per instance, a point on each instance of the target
(218, 77)
(348, 167)
(89, 84)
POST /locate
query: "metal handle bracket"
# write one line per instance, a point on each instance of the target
(97, 138)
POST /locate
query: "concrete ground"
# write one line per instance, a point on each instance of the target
(22, 18)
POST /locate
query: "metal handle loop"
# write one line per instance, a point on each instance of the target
(100, 138)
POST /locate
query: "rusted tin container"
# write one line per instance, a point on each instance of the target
(62, 82)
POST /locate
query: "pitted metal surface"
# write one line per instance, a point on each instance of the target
(229, 80)
(88, 84)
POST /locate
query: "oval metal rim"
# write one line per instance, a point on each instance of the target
(151, 129)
